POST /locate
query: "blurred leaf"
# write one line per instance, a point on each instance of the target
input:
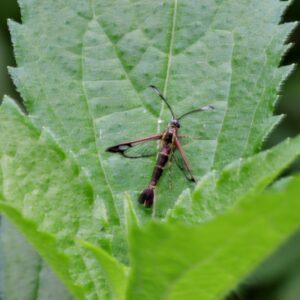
(24, 275)
(218, 191)
(116, 273)
(171, 261)
(48, 198)
(275, 278)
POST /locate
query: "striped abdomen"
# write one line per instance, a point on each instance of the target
(147, 196)
(162, 160)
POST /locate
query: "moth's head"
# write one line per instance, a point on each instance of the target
(175, 123)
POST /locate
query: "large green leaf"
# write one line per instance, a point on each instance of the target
(171, 261)
(24, 275)
(46, 195)
(84, 67)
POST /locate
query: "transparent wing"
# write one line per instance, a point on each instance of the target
(144, 147)
(177, 158)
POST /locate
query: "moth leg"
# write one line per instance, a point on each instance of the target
(186, 164)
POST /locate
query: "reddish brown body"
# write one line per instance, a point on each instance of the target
(168, 146)
(169, 143)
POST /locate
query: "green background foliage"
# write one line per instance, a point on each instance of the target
(76, 111)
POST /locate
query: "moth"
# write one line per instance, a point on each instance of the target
(170, 149)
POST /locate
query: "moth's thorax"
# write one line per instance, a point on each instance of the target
(170, 134)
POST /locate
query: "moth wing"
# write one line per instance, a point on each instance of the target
(144, 147)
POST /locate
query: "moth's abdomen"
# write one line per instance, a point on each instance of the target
(147, 197)
(161, 162)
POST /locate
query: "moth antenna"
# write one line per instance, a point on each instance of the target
(204, 108)
(157, 91)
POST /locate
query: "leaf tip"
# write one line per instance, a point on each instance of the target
(131, 218)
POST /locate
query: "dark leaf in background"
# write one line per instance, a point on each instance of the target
(9, 9)
(24, 274)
